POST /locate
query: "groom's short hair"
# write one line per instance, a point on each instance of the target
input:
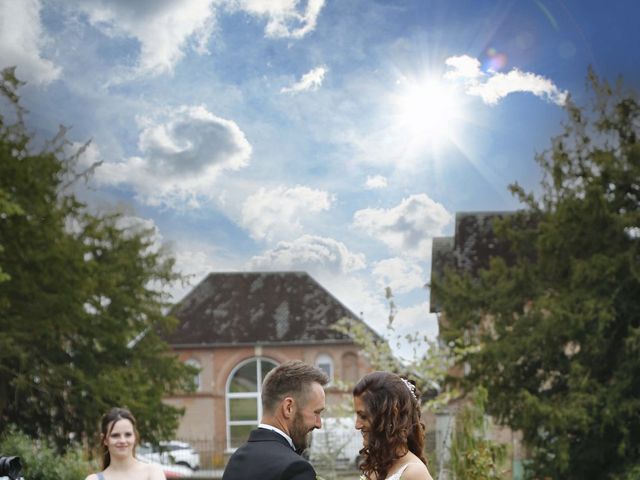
(293, 378)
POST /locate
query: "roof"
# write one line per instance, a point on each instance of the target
(470, 249)
(239, 308)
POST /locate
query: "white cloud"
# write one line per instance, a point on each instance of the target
(195, 262)
(163, 27)
(91, 155)
(181, 157)
(464, 67)
(21, 41)
(313, 254)
(415, 317)
(412, 320)
(335, 267)
(400, 274)
(377, 181)
(284, 18)
(309, 81)
(493, 86)
(134, 225)
(499, 85)
(276, 213)
(195, 259)
(408, 227)
(166, 29)
(356, 293)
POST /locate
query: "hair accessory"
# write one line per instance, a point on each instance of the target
(410, 386)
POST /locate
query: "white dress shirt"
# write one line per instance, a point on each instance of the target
(277, 430)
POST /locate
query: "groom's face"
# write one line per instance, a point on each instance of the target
(307, 417)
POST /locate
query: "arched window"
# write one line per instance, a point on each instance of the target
(325, 363)
(196, 378)
(244, 408)
(350, 368)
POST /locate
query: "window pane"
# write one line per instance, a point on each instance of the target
(239, 434)
(325, 363)
(326, 368)
(243, 408)
(245, 379)
(267, 366)
(196, 379)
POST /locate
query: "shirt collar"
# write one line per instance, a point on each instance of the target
(277, 430)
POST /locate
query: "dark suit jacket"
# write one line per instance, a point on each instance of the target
(267, 456)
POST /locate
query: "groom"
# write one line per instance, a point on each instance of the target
(292, 401)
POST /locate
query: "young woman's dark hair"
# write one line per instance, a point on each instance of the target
(393, 409)
(109, 419)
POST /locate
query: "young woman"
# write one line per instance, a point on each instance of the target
(119, 439)
(388, 416)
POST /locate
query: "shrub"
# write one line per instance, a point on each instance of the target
(40, 461)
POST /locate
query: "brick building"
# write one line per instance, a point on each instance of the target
(235, 327)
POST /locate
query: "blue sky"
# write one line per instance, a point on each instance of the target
(333, 136)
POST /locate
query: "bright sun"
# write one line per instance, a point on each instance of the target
(428, 112)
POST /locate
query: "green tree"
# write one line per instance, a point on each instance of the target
(427, 368)
(558, 324)
(8, 207)
(81, 307)
(473, 455)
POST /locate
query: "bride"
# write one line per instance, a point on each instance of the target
(388, 416)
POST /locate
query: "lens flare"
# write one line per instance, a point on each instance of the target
(495, 61)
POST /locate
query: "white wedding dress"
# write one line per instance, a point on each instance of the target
(400, 471)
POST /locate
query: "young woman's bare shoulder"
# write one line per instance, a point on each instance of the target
(93, 476)
(416, 471)
(154, 472)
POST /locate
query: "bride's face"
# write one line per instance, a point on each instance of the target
(363, 421)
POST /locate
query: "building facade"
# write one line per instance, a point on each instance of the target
(235, 327)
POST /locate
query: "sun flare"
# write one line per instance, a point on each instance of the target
(428, 112)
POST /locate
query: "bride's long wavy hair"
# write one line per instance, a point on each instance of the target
(393, 410)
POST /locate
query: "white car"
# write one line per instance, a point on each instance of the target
(172, 453)
(170, 471)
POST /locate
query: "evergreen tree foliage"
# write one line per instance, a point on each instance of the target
(81, 305)
(558, 324)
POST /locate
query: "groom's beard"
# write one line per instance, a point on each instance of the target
(300, 433)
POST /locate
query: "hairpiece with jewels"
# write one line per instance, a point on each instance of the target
(410, 386)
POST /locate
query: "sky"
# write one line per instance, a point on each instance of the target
(337, 137)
